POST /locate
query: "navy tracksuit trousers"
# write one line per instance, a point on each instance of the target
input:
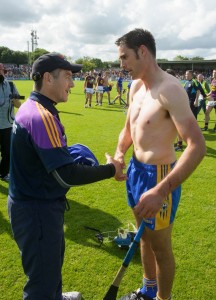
(38, 231)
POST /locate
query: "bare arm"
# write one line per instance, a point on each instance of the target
(189, 160)
(16, 100)
(176, 103)
(197, 97)
(124, 141)
(85, 84)
(190, 132)
(17, 103)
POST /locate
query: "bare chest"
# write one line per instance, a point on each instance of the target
(147, 111)
(106, 79)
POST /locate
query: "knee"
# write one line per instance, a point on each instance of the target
(162, 253)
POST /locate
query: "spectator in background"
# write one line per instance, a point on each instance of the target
(89, 88)
(171, 72)
(178, 145)
(119, 86)
(128, 93)
(203, 94)
(211, 102)
(8, 100)
(191, 86)
(99, 89)
(107, 86)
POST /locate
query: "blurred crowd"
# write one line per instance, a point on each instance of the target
(24, 71)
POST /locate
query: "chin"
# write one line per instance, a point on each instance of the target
(134, 77)
(61, 100)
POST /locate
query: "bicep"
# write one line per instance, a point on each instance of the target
(188, 129)
(180, 112)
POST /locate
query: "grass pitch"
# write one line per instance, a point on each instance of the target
(89, 267)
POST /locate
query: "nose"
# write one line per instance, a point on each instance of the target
(122, 64)
(72, 83)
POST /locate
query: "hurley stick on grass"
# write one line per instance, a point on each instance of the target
(113, 290)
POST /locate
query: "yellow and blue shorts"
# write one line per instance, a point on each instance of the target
(141, 178)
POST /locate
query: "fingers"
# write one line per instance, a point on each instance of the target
(119, 175)
(107, 156)
(149, 204)
(144, 213)
(120, 158)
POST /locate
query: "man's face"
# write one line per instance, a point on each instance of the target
(60, 86)
(129, 61)
(200, 77)
(188, 75)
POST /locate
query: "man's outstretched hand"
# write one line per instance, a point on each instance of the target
(119, 175)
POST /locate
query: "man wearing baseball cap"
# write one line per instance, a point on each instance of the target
(42, 171)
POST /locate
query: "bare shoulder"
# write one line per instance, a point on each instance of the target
(170, 83)
(135, 86)
(171, 91)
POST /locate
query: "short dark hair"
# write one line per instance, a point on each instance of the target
(38, 84)
(170, 71)
(189, 71)
(137, 37)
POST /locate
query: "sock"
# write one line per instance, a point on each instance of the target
(158, 298)
(149, 287)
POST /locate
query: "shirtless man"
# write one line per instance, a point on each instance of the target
(159, 108)
(106, 85)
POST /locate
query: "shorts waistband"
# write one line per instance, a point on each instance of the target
(148, 167)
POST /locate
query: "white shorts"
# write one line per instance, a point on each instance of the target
(211, 104)
(89, 90)
(99, 89)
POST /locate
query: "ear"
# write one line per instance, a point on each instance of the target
(48, 77)
(143, 50)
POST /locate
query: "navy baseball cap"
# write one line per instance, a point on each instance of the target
(50, 62)
(81, 154)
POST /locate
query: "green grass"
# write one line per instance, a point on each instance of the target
(90, 268)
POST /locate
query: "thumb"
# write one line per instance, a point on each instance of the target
(107, 155)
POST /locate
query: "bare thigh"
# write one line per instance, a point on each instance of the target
(159, 240)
